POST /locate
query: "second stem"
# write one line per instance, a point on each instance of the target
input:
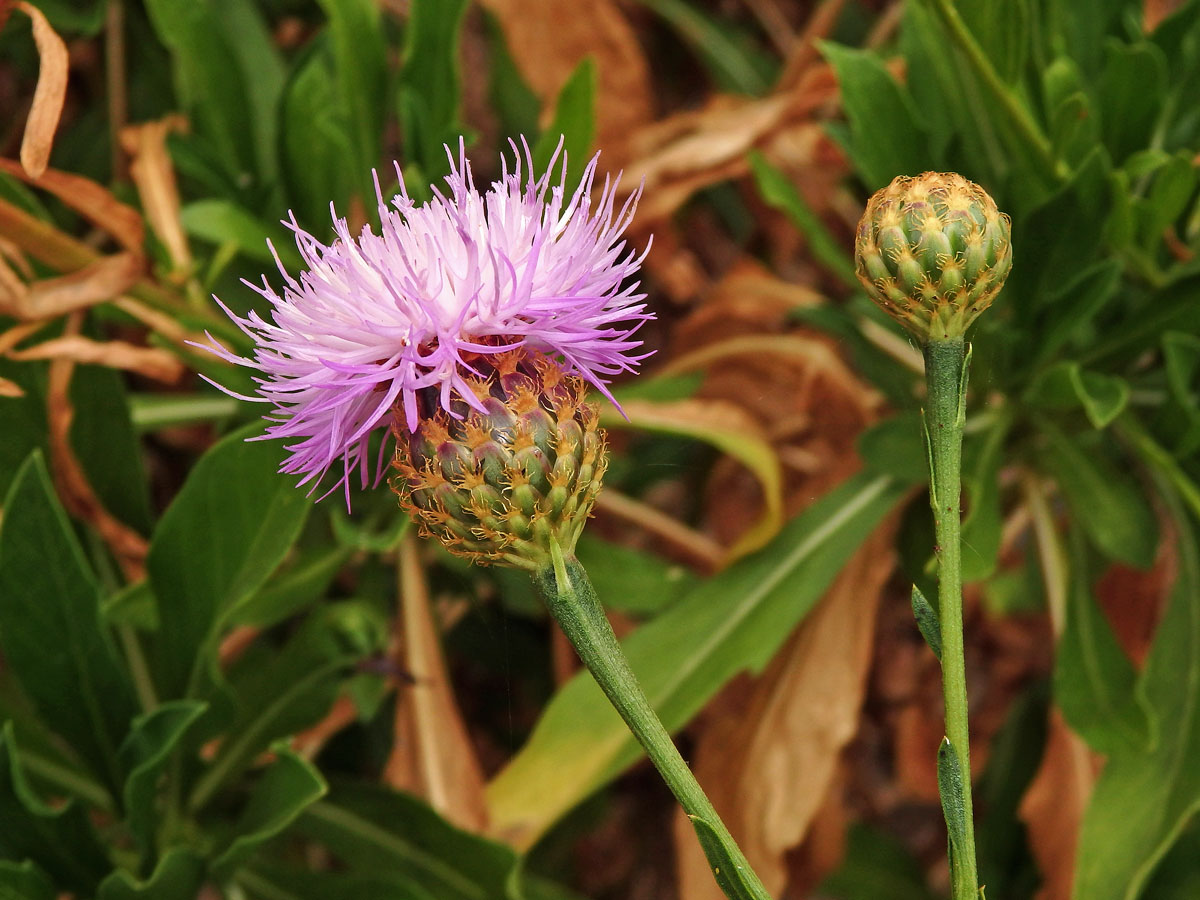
(945, 375)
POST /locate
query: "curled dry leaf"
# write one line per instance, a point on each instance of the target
(48, 96)
(149, 361)
(727, 427)
(692, 150)
(1053, 807)
(91, 200)
(432, 755)
(768, 752)
(128, 547)
(549, 38)
(94, 283)
(154, 175)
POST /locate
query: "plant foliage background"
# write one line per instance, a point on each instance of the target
(212, 686)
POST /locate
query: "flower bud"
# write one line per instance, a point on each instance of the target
(933, 251)
(498, 485)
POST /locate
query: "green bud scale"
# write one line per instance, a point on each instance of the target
(498, 486)
(933, 251)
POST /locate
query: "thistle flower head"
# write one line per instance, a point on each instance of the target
(387, 328)
(933, 251)
(499, 484)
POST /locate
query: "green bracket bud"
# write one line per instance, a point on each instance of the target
(933, 252)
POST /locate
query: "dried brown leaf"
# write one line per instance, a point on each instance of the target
(48, 96)
(91, 200)
(154, 175)
(549, 38)
(149, 361)
(94, 283)
(128, 547)
(1053, 807)
(18, 333)
(432, 755)
(768, 755)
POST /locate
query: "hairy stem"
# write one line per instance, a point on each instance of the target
(945, 374)
(571, 599)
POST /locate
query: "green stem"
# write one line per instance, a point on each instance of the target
(945, 374)
(1016, 113)
(571, 599)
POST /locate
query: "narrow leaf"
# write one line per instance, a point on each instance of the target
(59, 840)
(1144, 798)
(288, 787)
(50, 626)
(729, 875)
(927, 621)
(144, 755)
(178, 876)
(220, 539)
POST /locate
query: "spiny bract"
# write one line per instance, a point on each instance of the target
(933, 251)
(498, 486)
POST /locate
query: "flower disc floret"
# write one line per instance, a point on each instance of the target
(375, 320)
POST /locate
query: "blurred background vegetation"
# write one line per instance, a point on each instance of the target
(213, 687)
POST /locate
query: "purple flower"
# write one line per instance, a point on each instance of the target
(377, 319)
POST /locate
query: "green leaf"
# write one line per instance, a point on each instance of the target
(430, 90)
(305, 581)
(24, 881)
(50, 626)
(1068, 313)
(107, 445)
(983, 523)
(289, 786)
(290, 689)
(373, 829)
(1047, 248)
(732, 622)
(1068, 385)
(24, 418)
(1181, 417)
(1168, 198)
(633, 581)
(1093, 678)
(950, 789)
(223, 535)
(209, 80)
(315, 141)
(733, 62)
(1132, 88)
(59, 840)
(1106, 503)
(574, 122)
(178, 876)
(885, 138)
(780, 193)
(360, 62)
(1143, 799)
(928, 621)
(896, 447)
(144, 755)
(728, 874)
(223, 221)
(1002, 33)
